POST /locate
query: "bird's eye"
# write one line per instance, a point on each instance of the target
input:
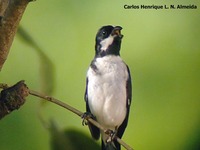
(104, 33)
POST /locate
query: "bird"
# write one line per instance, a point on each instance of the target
(108, 90)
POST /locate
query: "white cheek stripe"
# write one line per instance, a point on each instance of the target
(106, 43)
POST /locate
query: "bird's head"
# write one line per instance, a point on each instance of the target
(108, 41)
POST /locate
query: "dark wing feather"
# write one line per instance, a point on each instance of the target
(95, 132)
(122, 127)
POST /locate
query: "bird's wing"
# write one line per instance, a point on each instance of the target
(95, 132)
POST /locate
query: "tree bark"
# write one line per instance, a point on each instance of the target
(11, 12)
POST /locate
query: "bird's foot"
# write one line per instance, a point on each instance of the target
(112, 134)
(85, 117)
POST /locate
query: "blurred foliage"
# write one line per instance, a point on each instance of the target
(71, 139)
(162, 50)
(46, 65)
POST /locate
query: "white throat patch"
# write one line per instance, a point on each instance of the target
(106, 43)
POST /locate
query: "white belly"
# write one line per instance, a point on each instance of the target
(107, 91)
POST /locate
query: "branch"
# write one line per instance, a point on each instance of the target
(12, 98)
(70, 108)
(11, 12)
(77, 112)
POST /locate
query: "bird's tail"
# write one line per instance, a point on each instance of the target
(113, 145)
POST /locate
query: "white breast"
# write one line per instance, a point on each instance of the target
(107, 91)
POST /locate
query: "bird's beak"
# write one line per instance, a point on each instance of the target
(117, 31)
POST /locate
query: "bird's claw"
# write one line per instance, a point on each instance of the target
(112, 135)
(85, 117)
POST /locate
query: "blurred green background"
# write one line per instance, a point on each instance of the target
(162, 50)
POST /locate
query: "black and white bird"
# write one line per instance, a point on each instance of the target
(108, 87)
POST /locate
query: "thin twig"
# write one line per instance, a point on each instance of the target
(55, 101)
(72, 109)
(77, 112)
